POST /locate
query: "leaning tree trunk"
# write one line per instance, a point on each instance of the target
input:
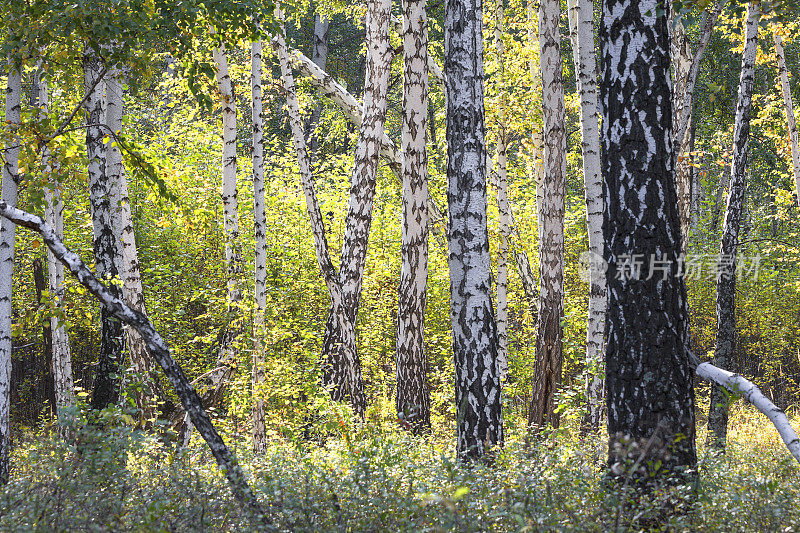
(7, 242)
(260, 230)
(106, 248)
(726, 267)
(54, 215)
(342, 368)
(650, 398)
(549, 335)
(582, 18)
(413, 395)
(189, 398)
(503, 208)
(789, 107)
(478, 396)
(146, 394)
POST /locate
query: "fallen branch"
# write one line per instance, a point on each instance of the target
(736, 384)
(158, 348)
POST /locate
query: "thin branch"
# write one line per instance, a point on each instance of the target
(78, 107)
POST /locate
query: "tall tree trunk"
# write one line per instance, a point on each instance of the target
(549, 335)
(503, 208)
(54, 215)
(789, 107)
(650, 398)
(726, 267)
(582, 18)
(319, 55)
(227, 358)
(478, 395)
(413, 396)
(146, 394)
(7, 242)
(681, 65)
(342, 368)
(106, 247)
(47, 333)
(260, 230)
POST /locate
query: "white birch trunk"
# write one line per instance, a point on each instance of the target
(7, 243)
(503, 209)
(413, 395)
(681, 65)
(549, 336)
(791, 125)
(54, 215)
(146, 396)
(260, 230)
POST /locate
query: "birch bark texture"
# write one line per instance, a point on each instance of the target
(260, 230)
(413, 394)
(342, 367)
(549, 334)
(582, 19)
(54, 215)
(791, 124)
(650, 398)
(681, 65)
(105, 237)
(503, 207)
(227, 358)
(147, 394)
(726, 267)
(478, 395)
(8, 233)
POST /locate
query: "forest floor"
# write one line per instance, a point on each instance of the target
(120, 479)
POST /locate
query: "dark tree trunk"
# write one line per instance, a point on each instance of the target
(650, 399)
(478, 399)
(106, 250)
(726, 275)
(41, 285)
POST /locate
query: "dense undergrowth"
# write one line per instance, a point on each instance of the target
(370, 479)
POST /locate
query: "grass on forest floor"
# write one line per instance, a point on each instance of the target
(123, 480)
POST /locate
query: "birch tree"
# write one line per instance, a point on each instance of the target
(581, 19)
(650, 397)
(791, 125)
(105, 237)
(319, 55)
(549, 335)
(413, 396)
(147, 392)
(260, 230)
(726, 267)
(7, 243)
(54, 215)
(478, 396)
(341, 366)
(503, 208)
